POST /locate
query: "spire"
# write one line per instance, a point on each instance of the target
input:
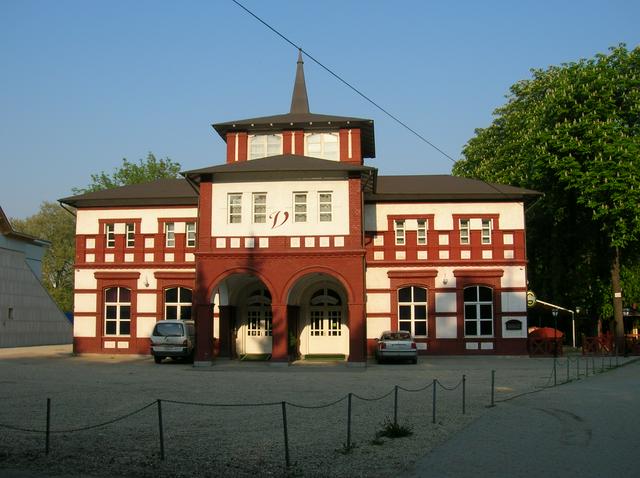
(299, 99)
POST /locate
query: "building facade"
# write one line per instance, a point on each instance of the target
(28, 314)
(293, 247)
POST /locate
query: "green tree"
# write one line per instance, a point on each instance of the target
(133, 173)
(57, 226)
(571, 131)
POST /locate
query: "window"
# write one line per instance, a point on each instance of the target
(259, 315)
(478, 311)
(170, 234)
(130, 230)
(324, 206)
(234, 207)
(191, 234)
(117, 311)
(399, 230)
(110, 235)
(263, 145)
(177, 303)
(464, 231)
(486, 231)
(422, 232)
(326, 313)
(299, 207)
(259, 208)
(323, 145)
(412, 310)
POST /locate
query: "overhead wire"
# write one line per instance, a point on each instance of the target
(357, 91)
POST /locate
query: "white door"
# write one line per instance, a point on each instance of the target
(258, 338)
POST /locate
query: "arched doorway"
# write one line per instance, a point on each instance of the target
(321, 318)
(256, 321)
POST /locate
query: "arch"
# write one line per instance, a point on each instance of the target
(295, 281)
(226, 296)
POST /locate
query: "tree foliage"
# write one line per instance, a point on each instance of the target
(571, 131)
(143, 171)
(57, 226)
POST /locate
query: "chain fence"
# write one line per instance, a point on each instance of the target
(346, 419)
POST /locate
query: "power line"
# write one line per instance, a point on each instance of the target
(345, 82)
(360, 93)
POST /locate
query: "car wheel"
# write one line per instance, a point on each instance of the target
(157, 359)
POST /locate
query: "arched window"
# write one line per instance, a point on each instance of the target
(177, 303)
(412, 310)
(478, 311)
(259, 315)
(264, 145)
(322, 145)
(326, 313)
(117, 311)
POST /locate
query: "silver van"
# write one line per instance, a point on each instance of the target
(173, 338)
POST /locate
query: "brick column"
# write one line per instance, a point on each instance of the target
(357, 333)
(280, 335)
(204, 334)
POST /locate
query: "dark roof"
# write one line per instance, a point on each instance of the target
(289, 163)
(299, 117)
(154, 193)
(444, 188)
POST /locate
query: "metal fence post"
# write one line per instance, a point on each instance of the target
(464, 395)
(395, 406)
(433, 406)
(578, 368)
(555, 371)
(160, 429)
(349, 421)
(568, 368)
(46, 442)
(286, 434)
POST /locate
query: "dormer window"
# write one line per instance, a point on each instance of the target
(264, 145)
(322, 145)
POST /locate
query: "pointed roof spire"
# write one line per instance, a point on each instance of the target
(299, 99)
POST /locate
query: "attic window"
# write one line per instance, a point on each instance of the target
(322, 145)
(264, 145)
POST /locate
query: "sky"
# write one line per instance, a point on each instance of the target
(84, 84)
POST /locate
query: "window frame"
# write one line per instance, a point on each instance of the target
(322, 213)
(413, 304)
(110, 235)
(119, 306)
(231, 213)
(323, 153)
(254, 139)
(464, 226)
(421, 233)
(179, 304)
(170, 234)
(259, 217)
(400, 232)
(130, 235)
(300, 215)
(487, 227)
(190, 233)
(478, 304)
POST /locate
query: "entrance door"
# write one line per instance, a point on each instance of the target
(327, 331)
(258, 338)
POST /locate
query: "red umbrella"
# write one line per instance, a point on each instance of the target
(546, 333)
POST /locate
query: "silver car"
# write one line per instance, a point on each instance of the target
(398, 345)
(173, 338)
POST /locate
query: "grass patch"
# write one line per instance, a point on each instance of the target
(324, 357)
(394, 430)
(345, 450)
(255, 357)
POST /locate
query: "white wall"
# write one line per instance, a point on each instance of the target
(87, 219)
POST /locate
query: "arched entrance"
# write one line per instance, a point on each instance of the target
(321, 321)
(243, 308)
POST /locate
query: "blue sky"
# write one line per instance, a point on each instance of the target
(87, 83)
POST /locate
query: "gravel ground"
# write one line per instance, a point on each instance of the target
(243, 438)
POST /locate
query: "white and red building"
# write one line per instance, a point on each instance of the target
(294, 247)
